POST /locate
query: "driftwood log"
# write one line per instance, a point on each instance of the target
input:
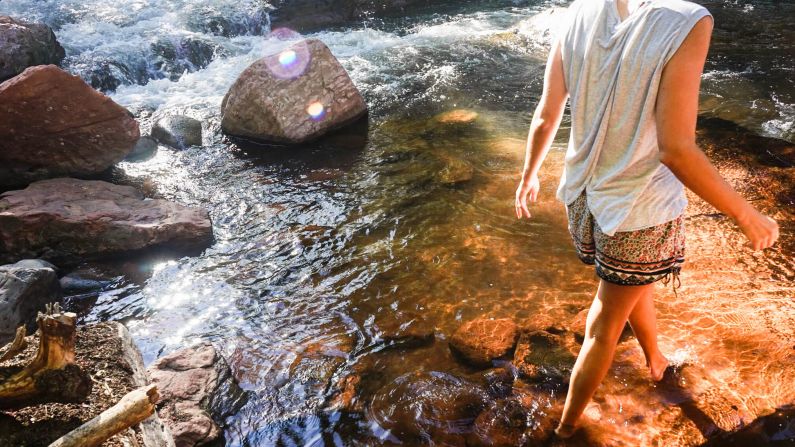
(52, 375)
(18, 345)
(133, 408)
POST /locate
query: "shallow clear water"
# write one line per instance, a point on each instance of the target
(318, 249)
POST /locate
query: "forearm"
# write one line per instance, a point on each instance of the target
(692, 167)
(539, 139)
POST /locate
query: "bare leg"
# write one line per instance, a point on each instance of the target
(643, 320)
(606, 320)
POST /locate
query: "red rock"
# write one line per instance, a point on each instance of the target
(54, 124)
(482, 340)
(191, 382)
(67, 220)
(273, 101)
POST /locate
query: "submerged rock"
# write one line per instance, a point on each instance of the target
(502, 424)
(292, 97)
(69, 130)
(424, 405)
(457, 116)
(406, 329)
(25, 288)
(454, 171)
(197, 391)
(482, 340)
(67, 220)
(24, 44)
(541, 356)
(178, 131)
(144, 149)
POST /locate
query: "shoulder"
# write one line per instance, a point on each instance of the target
(680, 9)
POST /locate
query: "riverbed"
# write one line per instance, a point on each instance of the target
(318, 248)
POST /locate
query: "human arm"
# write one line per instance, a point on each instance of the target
(543, 128)
(676, 112)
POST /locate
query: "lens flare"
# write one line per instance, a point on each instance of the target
(287, 58)
(316, 111)
(290, 62)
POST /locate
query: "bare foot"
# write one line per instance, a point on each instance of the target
(565, 431)
(657, 367)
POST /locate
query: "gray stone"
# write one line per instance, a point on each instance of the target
(25, 288)
(178, 131)
(145, 148)
(24, 44)
(292, 97)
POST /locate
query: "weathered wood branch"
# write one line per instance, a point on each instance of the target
(133, 408)
(52, 376)
(18, 345)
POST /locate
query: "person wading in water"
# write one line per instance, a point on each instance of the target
(631, 70)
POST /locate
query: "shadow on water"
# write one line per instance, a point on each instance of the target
(337, 151)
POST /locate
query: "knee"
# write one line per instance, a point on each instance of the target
(603, 332)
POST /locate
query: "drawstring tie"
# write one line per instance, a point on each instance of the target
(673, 277)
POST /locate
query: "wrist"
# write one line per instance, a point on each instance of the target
(742, 214)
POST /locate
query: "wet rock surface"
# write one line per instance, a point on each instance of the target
(174, 56)
(292, 97)
(67, 220)
(454, 170)
(408, 330)
(421, 406)
(197, 392)
(541, 356)
(308, 15)
(144, 149)
(24, 45)
(26, 287)
(178, 131)
(482, 340)
(48, 132)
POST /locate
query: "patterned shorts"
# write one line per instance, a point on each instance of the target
(628, 257)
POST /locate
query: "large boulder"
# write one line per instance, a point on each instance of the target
(23, 45)
(292, 97)
(25, 288)
(54, 124)
(67, 220)
(197, 391)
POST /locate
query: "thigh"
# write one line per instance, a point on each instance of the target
(642, 256)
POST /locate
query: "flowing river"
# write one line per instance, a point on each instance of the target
(318, 249)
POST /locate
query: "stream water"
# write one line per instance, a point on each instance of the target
(320, 248)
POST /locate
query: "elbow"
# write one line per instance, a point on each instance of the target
(673, 154)
(667, 157)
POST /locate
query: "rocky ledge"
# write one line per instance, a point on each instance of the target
(68, 220)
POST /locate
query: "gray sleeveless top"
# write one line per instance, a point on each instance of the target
(612, 70)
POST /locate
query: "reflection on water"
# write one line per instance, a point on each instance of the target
(335, 264)
(318, 257)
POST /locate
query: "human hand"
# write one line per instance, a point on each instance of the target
(528, 188)
(761, 230)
